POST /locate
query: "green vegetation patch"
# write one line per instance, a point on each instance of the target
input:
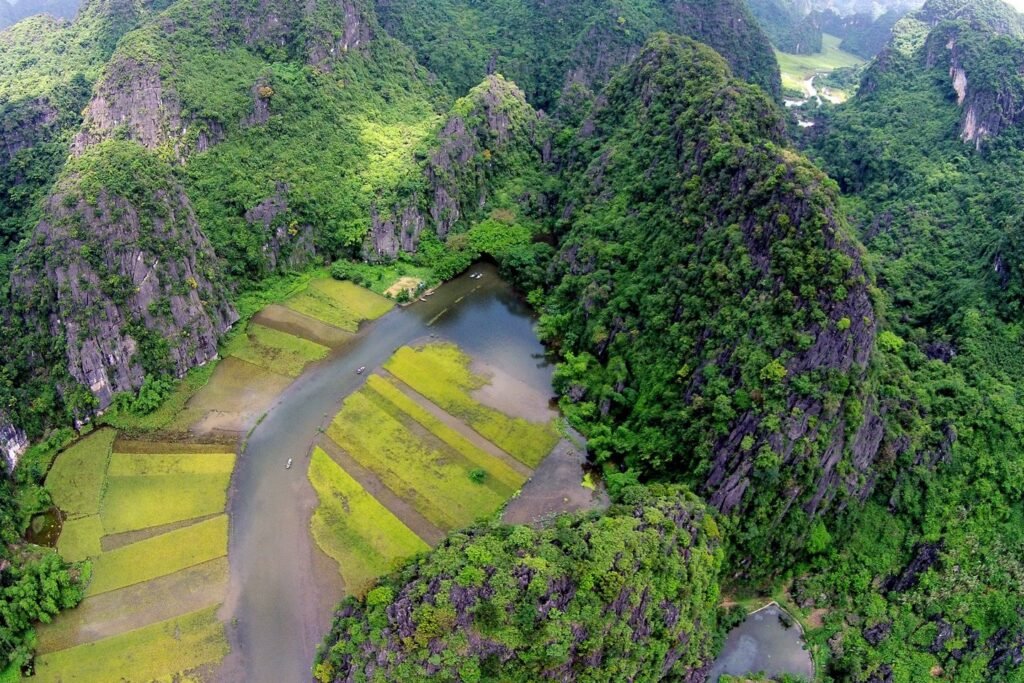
(144, 464)
(274, 350)
(494, 467)
(183, 391)
(163, 649)
(140, 502)
(80, 538)
(432, 477)
(798, 68)
(342, 304)
(76, 480)
(441, 372)
(160, 556)
(115, 612)
(351, 526)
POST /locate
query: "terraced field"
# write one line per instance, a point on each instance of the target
(277, 346)
(150, 607)
(423, 455)
(150, 515)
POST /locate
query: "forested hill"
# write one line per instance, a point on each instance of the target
(929, 156)
(710, 301)
(631, 596)
(550, 47)
(270, 116)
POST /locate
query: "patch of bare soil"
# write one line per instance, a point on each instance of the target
(404, 284)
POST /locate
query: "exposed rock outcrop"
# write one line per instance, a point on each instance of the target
(491, 132)
(133, 102)
(989, 104)
(286, 243)
(13, 441)
(119, 269)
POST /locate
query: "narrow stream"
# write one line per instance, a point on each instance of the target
(283, 588)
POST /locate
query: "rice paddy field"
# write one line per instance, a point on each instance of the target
(441, 373)
(180, 644)
(424, 443)
(350, 525)
(151, 520)
(341, 304)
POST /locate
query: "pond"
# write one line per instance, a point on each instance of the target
(283, 589)
(763, 643)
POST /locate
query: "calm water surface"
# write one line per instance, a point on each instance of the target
(283, 589)
(762, 643)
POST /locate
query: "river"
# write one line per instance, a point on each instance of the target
(283, 588)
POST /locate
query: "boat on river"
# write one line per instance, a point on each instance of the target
(288, 465)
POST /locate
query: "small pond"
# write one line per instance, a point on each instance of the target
(764, 643)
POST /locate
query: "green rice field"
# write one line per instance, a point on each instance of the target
(341, 304)
(351, 526)
(433, 477)
(76, 479)
(160, 555)
(277, 351)
(158, 651)
(441, 372)
(400, 402)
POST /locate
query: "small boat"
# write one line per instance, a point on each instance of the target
(288, 465)
(361, 370)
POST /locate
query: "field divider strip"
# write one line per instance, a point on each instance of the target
(401, 509)
(464, 430)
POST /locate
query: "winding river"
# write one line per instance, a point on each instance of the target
(282, 587)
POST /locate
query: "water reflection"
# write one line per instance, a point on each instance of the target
(764, 643)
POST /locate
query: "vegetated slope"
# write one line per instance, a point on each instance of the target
(712, 309)
(119, 277)
(548, 48)
(631, 595)
(931, 570)
(790, 28)
(47, 69)
(491, 153)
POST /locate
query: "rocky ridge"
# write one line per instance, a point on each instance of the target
(119, 270)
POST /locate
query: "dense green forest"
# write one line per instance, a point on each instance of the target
(932, 564)
(628, 595)
(822, 345)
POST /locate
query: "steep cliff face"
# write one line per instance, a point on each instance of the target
(119, 270)
(13, 441)
(551, 47)
(985, 72)
(593, 600)
(710, 295)
(489, 136)
(146, 94)
(981, 47)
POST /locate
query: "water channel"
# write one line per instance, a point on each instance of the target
(282, 587)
